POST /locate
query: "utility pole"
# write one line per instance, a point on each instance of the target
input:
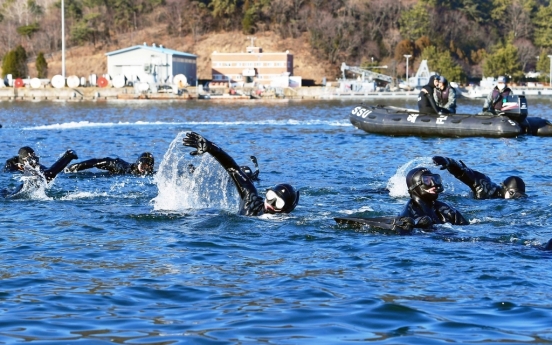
(63, 40)
(407, 79)
(550, 57)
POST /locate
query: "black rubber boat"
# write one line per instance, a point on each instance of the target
(404, 122)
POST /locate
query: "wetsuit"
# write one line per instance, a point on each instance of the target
(493, 102)
(423, 207)
(281, 198)
(251, 204)
(446, 99)
(426, 102)
(479, 183)
(113, 165)
(142, 166)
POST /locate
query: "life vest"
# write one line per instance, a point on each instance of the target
(499, 96)
(443, 95)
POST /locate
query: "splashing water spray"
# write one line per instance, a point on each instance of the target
(397, 183)
(187, 182)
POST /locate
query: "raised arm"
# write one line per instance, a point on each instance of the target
(480, 184)
(60, 164)
(113, 165)
(202, 145)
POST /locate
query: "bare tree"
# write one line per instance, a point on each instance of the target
(517, 20)
(526, 52)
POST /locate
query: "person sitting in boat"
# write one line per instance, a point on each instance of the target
(445, 96)
(27, 156)
(28, 163)
(426, 101)
(423, 207)
(142, 166)
(282, 198)
(493, 102)
(481, 185)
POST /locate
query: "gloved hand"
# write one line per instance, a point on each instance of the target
(403, 224)
(71, 154)
(195, 140)
(484, 110)
(443, 162)
(253, 159)
(424, 222)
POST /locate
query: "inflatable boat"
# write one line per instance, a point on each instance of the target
(512, 121)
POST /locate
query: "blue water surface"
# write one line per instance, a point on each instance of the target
(100, 259)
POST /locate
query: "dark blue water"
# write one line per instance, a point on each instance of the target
(95, 259)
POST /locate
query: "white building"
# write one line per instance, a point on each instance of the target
(152, 63)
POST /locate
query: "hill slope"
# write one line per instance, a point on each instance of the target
(85, 60)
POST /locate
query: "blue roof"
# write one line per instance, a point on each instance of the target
(150, 48)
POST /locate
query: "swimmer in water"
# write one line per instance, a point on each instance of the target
(28, 163)
(423, 207)
(282, 198)
(27, 156)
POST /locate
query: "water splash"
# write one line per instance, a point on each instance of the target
(397, 183)
(185, 182)
(33, 185)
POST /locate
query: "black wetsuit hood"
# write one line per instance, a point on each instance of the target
(416, 188)
(515, 186)
(430, 86)
(24, 153)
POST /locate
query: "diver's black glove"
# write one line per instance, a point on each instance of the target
(195, 140)
(443, 162)
(423, 222)
(253, 159)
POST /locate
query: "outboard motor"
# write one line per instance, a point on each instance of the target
(515, 107)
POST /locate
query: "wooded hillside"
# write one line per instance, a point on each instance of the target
(461, 38)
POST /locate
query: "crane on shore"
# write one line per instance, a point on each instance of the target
(366, 74)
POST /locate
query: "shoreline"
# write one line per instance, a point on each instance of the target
(97, 94)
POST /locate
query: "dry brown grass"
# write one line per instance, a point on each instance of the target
(85, 60)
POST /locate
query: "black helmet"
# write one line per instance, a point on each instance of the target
(423, 184)
(27, 155)
(247, 170)
(145, 162)
(513, 187)
(281, 198)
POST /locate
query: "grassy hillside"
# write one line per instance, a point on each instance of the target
(82, 61)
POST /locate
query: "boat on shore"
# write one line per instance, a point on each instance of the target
(396, 121)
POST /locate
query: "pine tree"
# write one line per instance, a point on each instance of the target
(20, 63)
(41, 66)
(9, 65)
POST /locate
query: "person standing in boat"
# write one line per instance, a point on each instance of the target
(282, 198)
(494, 100)
(423, 207)
(426, 100)
(445, 96)
(481, 185)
